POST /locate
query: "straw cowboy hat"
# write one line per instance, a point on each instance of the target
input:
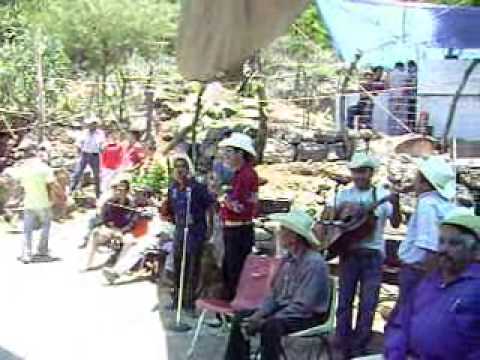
(240, 141)
(299, 222)
(439, 174)
(470, 223)
(362, 160)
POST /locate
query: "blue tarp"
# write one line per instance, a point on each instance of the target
(388, 31)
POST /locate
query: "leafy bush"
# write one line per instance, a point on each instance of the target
(311, 25)
(155, 178)
(18, 71)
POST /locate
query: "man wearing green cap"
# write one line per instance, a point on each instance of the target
(435, 188)
(441, 320)
(361, 264)
(300, 294)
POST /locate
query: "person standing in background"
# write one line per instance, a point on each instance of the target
(135, 152)
(238, 208)
(90, 146)
(111, 160)
(35, 177)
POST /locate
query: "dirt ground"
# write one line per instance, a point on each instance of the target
(53, 311)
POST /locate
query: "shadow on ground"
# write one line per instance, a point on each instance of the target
(7, 355)
(212, 341)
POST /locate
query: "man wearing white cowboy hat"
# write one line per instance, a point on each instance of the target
(299, 298)
(361, 264)
(238, 208)
(435, 188)
(90, 145)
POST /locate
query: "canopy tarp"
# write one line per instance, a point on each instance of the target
(390, 31)
(217, 36)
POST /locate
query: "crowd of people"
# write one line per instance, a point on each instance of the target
(437, 315)
(401, 86)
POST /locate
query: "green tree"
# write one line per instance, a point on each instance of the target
(99, 35)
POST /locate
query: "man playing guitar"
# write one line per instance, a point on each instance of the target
(361, 261)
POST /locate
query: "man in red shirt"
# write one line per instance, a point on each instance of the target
(238, 208)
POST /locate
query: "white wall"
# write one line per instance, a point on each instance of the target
(441, 78)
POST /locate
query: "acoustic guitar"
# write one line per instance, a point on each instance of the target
(353, 223)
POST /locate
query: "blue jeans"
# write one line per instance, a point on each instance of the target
(360, 267)
(93, 160)
(36, 219)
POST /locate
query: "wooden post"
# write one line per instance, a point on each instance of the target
(343, 116)
(40, 89)
(456, 97)
(149, 108)
(196, 119)
(263, 122)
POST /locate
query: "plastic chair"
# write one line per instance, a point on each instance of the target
(254, 286)
(326, 329)
(322, 332)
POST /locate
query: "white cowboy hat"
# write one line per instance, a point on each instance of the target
(239, 141)
(91, 120)
(299, 222)
(439, 174)
(362, 160)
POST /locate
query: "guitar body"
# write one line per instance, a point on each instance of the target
(353, 223)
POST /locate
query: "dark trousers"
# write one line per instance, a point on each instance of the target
(359, 268)
(238, 242)
(192, 274)
(271, 334)
(92, 160)
(408, 278)
(408, 281)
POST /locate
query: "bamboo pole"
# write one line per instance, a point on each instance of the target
(40, 90)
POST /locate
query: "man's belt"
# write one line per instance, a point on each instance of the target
(416, 267)
(232, 223)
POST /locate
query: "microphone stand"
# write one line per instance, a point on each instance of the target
(178, 326)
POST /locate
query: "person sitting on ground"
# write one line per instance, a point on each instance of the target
(147, 233)
(300, 294)
(116, 219)
(441, 320)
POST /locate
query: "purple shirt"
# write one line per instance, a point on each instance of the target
(441, 323)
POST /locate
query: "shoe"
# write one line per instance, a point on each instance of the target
(44, 258)
(25, 259)
(217, 323)
(110, 275)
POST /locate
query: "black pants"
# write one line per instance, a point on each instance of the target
(192, 274)
(271, 334)
(93, 160)
(238, 242)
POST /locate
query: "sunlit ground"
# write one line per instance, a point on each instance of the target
(54, 312)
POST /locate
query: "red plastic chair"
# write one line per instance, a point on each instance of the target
(254, 286)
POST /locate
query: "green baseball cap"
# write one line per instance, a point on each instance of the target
(470, 223)
(362, 160)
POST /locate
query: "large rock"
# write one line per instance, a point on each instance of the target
(278, 151)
